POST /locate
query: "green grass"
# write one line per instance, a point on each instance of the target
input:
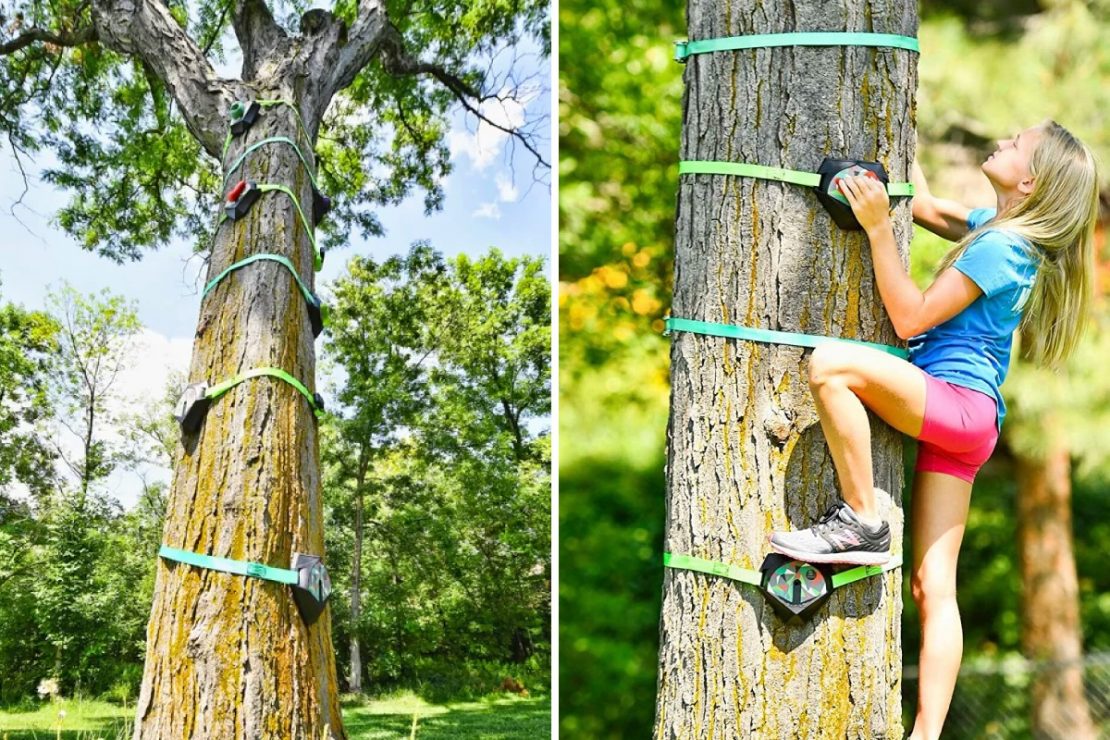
(505, 718)
(501, 718)
(83, 720)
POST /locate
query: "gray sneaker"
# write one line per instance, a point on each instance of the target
(837, 537)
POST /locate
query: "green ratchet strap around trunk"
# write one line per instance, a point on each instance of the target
(714, 568)
(769, 336)
(270, 140)
(237, 567)
(244, 105)
(684, 49)
(317, 309)
(755, 577)
(796, 177)
(308, 295)
(221, 388)
(269, 187)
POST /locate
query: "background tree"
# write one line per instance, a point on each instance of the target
(379, 336)
(27, 344)
(455, 526)
(248, 487)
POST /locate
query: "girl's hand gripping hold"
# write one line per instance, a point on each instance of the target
(869, 201)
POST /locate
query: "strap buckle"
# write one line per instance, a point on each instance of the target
(680, 53)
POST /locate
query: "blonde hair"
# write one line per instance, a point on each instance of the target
(1058, 218)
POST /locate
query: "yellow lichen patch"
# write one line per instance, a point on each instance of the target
(699, 650)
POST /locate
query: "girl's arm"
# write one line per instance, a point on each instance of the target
(911, 311)
(945, 218)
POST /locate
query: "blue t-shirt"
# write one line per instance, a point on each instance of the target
(972, 349)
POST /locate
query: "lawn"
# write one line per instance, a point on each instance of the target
(502, 718)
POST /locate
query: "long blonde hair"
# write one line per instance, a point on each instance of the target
(1058, 218)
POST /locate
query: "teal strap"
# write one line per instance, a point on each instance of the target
(256, 258)
(732, 331)
(845, 577)
(797, 177)
(755, 577)
(267, 187)
(271, 140)
(226, 565)
(684, 49)
(221, 388)
(713, 568)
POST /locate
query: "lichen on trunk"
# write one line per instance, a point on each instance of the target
(746, 455)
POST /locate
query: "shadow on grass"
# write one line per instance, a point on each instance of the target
(503, 719)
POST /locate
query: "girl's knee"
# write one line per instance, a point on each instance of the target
(930, 589)
(825, 362)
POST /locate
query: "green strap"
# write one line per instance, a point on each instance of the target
(732, 331)
(226, 565)
(755, 577)
(270, 140)
(844, 577)
(796, 177)
(308, 296)
(267, 187)
(684, 49)
(714, 568)
(221, 388)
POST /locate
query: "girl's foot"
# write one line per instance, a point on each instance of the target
(837, 537)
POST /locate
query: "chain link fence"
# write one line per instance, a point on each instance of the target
(995, 700)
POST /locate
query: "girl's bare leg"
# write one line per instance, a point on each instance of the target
(939, 516)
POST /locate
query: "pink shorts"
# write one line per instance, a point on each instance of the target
(959, 431)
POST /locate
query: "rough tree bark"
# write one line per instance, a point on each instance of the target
(1050, 593)
(746, 454)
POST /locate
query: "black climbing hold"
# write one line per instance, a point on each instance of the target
(241, 198)
(828, 191)
(315, 314)
(192, 406)
(794, 588)
(243, 115)
(321, 204)
(319, 401)
(313, 586)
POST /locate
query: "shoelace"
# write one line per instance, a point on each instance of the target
(824, 523)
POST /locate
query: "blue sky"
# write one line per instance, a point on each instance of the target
(488, 203)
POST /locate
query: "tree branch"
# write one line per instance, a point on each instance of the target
(359, 47)
(397, 61)
(66, 38)
(260, 37)
(146, 29)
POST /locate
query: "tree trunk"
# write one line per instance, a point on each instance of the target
(356, 582)
(1050, 602)
(229, 656)
(745, 453)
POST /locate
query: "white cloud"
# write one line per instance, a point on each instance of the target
(488, 210)
(506, 190)
(484, 144)
(155, 358)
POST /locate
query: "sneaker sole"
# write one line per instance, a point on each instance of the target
(855, 557)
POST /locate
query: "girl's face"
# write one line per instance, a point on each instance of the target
(1008, 167)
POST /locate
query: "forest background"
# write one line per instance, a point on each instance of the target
(986, 69)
